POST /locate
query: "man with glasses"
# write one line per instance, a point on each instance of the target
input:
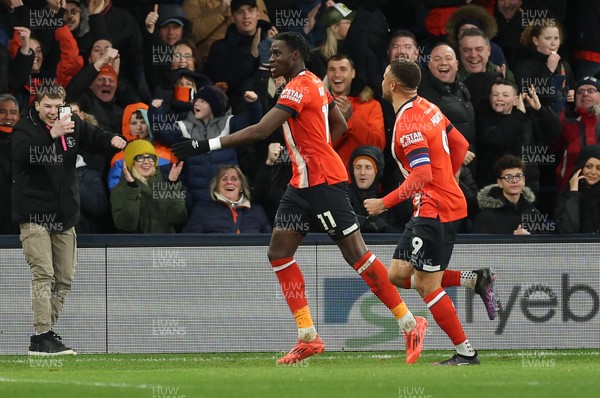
(46, 204)
(507, 207)
(580, 129)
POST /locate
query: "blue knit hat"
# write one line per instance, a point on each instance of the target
(216, 98)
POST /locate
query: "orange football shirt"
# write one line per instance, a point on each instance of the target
(306, 132)
(419, 139)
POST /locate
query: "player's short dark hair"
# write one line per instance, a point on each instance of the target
(406, 72)
(339, 57)
(508, 162)
(296, 42)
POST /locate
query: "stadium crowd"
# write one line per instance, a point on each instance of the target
(518, 78)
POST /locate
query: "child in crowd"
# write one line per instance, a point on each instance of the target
(540, 64)
(210, 117)
(135, 127)
(507, 207)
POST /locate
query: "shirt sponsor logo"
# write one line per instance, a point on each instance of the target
(291, 95)
(411, 138)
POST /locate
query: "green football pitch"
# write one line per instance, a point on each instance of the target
(515, 373)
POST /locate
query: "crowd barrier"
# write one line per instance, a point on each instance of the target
(216, 293)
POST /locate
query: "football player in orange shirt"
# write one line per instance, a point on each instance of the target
(429, 152)
(316, 197)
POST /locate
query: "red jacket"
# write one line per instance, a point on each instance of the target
(365, 127)
(70, 62)
(576, 133)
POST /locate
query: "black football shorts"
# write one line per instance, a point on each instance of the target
(427, 243)
(321, 207)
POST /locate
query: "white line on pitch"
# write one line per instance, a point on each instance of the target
(79, 383)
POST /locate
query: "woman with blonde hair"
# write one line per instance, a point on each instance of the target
(336, 20)
(142, 202)
(230, 210)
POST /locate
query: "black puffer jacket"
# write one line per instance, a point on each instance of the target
(499, 216)
(45, 187)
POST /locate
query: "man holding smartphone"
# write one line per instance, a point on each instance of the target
(46, 204)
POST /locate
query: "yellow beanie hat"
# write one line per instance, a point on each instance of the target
(138, 147)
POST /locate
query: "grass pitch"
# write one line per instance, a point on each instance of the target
(515, 373)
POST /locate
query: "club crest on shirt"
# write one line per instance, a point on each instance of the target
(292, 95)
(411, 138)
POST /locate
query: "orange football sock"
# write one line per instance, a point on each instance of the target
(400, 310)
(303, 318)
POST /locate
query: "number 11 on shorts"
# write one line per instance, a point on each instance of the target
(324, 218)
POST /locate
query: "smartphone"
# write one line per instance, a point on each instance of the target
(63, 111)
